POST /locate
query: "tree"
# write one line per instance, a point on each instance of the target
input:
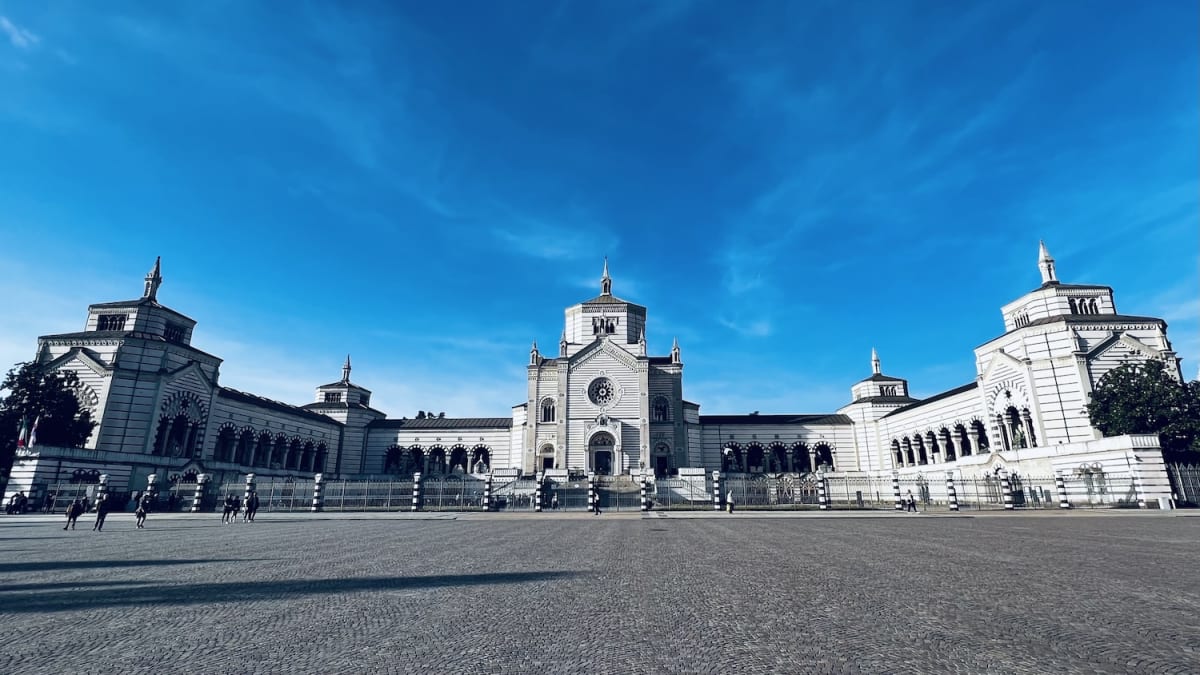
(51, 399)
(1146, 398)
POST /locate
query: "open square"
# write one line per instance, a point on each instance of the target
(704, 593)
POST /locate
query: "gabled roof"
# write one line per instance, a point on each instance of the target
(123, 334)
(880, 378)
(886, 400)
(140, 302)
(610, 300)
(1082, 287)
(271, 404)
(775, 419)
(343, 383)
(339, 405)
(445, 423)
(936, 397)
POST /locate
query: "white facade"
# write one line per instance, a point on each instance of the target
(599, 404)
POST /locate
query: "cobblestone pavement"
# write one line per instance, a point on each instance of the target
(554, 594)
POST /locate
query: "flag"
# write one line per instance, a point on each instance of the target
(21, 433)
(33, 431)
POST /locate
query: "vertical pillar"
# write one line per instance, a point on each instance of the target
(102, 488)
(822, 492)
(250, 488)
(896, 491)
(537, 492)
(1006, 490)
(201, 488)
(1060, 485)
(318, 489)
(716, 490)
(645, 500)
(1139, 492)
(152, 489)
(593, 498)
(487, 492)
(951, 493)
(416, 496)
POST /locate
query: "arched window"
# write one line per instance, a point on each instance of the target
(548, 410)
(262, 453)
(392, 459)
(922, 452)
(754, 458)
(947, 445)
(964, 440)
(896, 454)
(1071, 304)
(226, 443)
(801, 459)
(1092, 306)
(481, 459)
(322, 456)
(824, 455)
(731, 458)
(660, 411)
(909, 458)
(458, 459)
(935, 451)
(778, 459)
(979, 431)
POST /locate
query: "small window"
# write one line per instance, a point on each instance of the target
(173, 333)
(887, 390)
(333, 397)
(111, 322)
(662, 410)
(548, 410)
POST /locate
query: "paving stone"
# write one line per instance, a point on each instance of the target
(487, 594)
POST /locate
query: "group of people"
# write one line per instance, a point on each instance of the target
(234, 505)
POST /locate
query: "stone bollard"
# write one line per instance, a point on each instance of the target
(593, 498)
(152, 489)
(951, 493)
(1060, 486)
(645, 499)
(487, 493)
(537, 492)
(198, 496)
(716, 490)
(102, 488)
(251, 488)
(1006, 490)
(416, 498)
(896, 491)
(822, 492)
(318, 488)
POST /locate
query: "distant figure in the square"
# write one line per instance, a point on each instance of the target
(146, 502)
(74, 510)
(912, 502)
(48, 505)
(172, 502)
(101, 513)
(228, 506)
(596, 512)
(141, 516)
(252, 506)
(554, 502)
(237, 508)
(729, 502)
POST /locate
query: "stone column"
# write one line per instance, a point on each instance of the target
(951, 493)
(198, 496)
(487, 492)
(250, 488)
(822, 492)
(896, 491)
(1060, 486)
(716, 476)
(645, 499)
(537, 491)
(593, 498)
(1006, 490)
(102, 489)
(318, 489)
(416, 495)
(152, 489)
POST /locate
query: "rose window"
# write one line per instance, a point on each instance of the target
(602, 391)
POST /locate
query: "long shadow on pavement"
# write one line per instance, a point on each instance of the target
(191, 594)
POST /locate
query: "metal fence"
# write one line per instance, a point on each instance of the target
(367, 495)
(514, 495)
(452, 493)
(1185, 483)
(618, 493)
(692, 493)
(771, 491)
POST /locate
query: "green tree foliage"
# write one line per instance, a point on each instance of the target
(49, 398)
(1146, 398)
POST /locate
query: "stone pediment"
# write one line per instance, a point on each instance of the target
(1003, 366)
(1118, 341)
(80, 355)
(192, 372)
(603, 346)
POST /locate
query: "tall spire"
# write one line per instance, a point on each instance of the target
(874, 362)
(153, 281)
(562, 345)
(1046, 264)
(675, 351)
(533, 354)
(605, 280)
(346, 370)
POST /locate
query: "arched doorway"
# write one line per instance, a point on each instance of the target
(546, 457)
(601, 448)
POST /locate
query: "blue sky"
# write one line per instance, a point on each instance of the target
(426, 186)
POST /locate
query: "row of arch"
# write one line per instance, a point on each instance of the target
(660, 410)
(775, 458)
(437, 460)
(946, 445)
(248, 447)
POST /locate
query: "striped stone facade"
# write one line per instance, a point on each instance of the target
(598, 404)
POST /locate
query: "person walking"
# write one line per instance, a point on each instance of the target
(252, 506)
(729, 502)
(48, 505)
(74, 510)
(228, 507)
(140, 512)
(101, 513)
(912, 502)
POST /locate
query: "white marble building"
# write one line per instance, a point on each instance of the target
(601, 403)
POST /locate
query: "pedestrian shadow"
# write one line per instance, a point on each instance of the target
(173, 595)
(47, 565)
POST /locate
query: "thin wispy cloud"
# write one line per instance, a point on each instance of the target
(18, 36)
